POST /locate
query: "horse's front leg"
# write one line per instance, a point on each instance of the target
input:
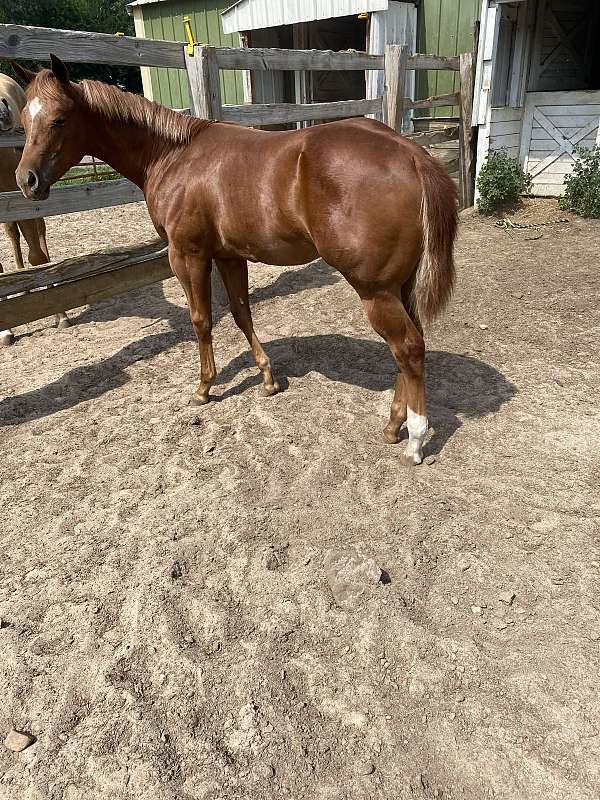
(193, 271)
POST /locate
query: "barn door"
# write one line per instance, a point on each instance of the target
(565, 45)
(554, 123)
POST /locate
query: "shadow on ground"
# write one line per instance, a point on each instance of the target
(457, 385)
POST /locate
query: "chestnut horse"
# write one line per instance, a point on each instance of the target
(371, 203)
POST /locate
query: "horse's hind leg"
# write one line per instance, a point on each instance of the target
(235, 278)
(391, 320)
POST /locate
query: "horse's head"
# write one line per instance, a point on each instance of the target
(54, 132)
(12, 101)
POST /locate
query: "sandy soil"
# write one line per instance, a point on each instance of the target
(168, 628)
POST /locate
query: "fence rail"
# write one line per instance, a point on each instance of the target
(69, 199)
(22, 41)
(47, 290)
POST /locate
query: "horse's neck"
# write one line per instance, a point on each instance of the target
(130, 150)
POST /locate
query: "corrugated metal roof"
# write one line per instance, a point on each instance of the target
(248, 15)
(129, 6)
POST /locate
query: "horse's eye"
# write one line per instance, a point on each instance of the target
(5, 101)
(59, 121)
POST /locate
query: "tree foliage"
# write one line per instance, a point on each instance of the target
(102, 16)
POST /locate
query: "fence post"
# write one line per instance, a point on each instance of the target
(396, 59)
(205, 102)
(466, 131)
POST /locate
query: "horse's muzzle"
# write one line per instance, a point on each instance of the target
(32, 184)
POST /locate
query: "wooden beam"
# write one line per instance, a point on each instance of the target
(434, 102)
(67, 199)
(467, 179)
(272, 58)
(425, 61)
(396, 57)
(23, 41)
(70, 269)
(435, 137)
(278, 113)
(16, 139)
(54, 299)
(203, 78)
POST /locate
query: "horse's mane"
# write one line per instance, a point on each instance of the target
(114, 104)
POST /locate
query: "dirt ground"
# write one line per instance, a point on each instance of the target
(169, 631)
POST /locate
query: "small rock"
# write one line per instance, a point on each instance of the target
(357, 718)
(477, 610)
(429, 460)
(365, 768)
(483, 327)
(517, 295)
(264, 771)
(196, 420)
(64, 737)
(18, 740)
(499, 623)
(349, 574)
(176, 571)
(274, 557)
(464, 565)
(507, 597)
(454, 600)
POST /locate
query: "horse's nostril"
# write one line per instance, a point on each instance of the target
(32, 179)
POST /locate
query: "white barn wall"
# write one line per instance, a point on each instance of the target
(505, 130)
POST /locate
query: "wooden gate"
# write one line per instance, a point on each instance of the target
(554, 123)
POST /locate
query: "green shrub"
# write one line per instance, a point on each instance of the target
(501, 182)
(582, 186)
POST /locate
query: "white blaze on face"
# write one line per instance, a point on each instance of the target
(417, 428)
(34, 107)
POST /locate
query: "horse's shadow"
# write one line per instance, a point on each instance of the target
(457, 385)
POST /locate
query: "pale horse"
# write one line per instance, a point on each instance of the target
(12, 101)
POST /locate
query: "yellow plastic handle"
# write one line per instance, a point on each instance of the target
(189, 36)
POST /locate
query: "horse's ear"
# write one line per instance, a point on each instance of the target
(59, 69)
(25, 75)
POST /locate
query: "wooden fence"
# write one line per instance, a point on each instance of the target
(58, 287)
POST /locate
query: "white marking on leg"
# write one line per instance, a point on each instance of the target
(417, 429)
(34, 107)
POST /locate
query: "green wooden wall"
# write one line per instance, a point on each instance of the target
(445, 27)
(165, 21)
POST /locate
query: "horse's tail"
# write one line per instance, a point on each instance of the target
(434, 279)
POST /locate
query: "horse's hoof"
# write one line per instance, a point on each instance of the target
(391, 436)
(407, 460)
(63, 323)
(269, 391)
(199, 399)
(412, 458)
(6, 339)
